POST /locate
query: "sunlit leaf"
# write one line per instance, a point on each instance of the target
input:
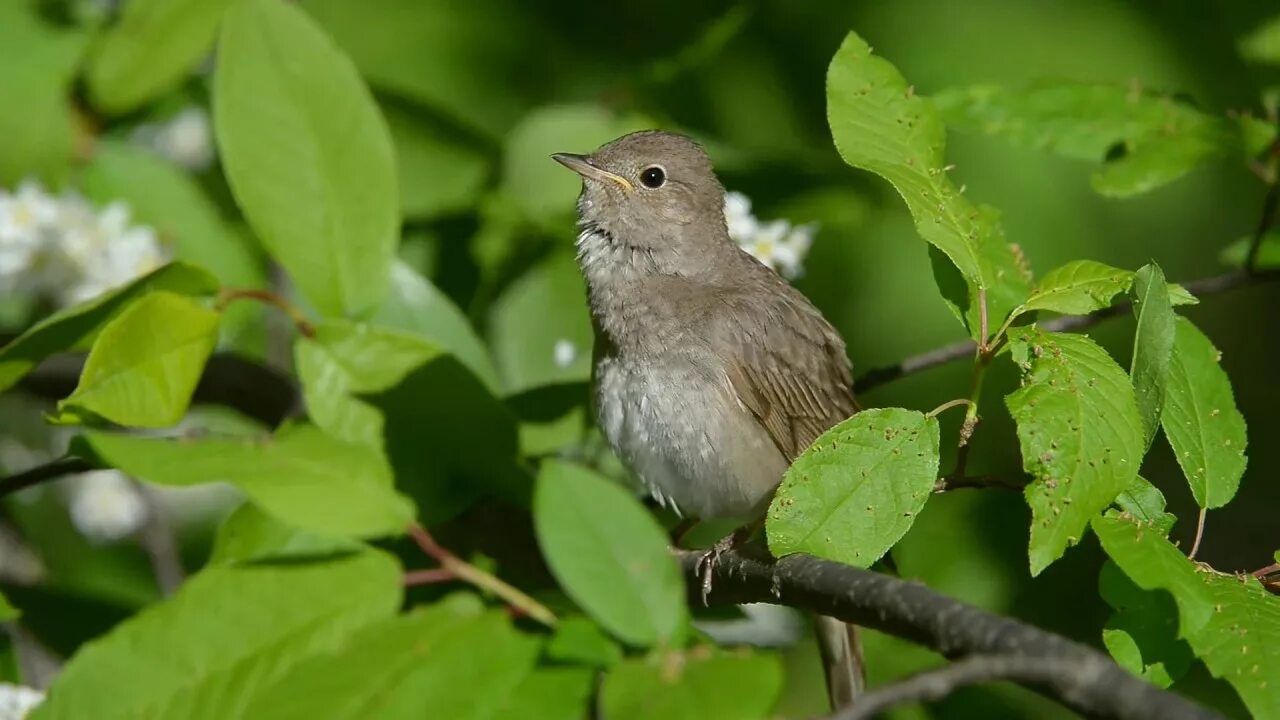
(301, 475)
(228, 630)
(144, 365)
(250, 535)
(857, 490)
(1078, 288)
(578, 640)
(550, 693)
(1152, 346)
(1079, 431)
(879, 124)
(1145, 503)
(701, 684)
(609, 555)
(307, 154)
(150, 49)
(7, 611)
(438, 174)
(1201, 421)
(1232, 623)
(1262, 45)
(540, 328)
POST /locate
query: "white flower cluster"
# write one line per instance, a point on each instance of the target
(17, 701)
(776, 243)
(61, 248)
(186, 139)
(105, 506)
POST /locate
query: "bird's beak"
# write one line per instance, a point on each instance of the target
(581, 165)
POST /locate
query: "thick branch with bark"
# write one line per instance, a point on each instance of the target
(1083, 679)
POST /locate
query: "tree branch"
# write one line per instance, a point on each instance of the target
(43, 473)
(1090, 684)
(1202, 287)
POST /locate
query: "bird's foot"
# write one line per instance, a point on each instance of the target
(711, 558)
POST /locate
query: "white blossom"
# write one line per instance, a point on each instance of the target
(777, 243)
(17, 701)
(764, 625)
(61, 248)
(564, 353)
(186, 139)
(105, 506)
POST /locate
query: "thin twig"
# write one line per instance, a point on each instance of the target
(933, 685)
(1269, 205)
(43, 473)
(465, 571)
(431, 576)
(978, 482)
(230, 295)
(1195, 546)
(1268, 570)
(1202, 287)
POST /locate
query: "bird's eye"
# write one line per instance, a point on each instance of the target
(653, 177)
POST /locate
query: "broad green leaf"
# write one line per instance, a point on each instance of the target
(1152, 346)
(345, 359)
(449, 660)
(540, 328)
(1142, 634)
(152, 47)
(144, 365)
(1079, 431)
(553, 693)
(1147, 140)
(546, 191)
(1232, 623)
(75, 327)
(249, 534)
(444, 55)
(301, 475)
(857, 490)
(609, 555)
(438, 174)
(879, 124)
(578, 640)
(7, 611)
(1268, 252)
(307, 154)
(1179, 296)
(698, 684)
(38, 63)
(1145, 503)
(416, 306)
(1262, 45)
(1078, 288)
(227, 631)
(1201, 421)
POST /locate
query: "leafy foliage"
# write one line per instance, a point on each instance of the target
(1152, 346)
(672, 685)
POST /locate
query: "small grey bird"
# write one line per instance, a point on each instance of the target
(711, 373)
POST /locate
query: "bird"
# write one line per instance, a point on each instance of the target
(710, 372)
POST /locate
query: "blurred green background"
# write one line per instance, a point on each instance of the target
(478, 93)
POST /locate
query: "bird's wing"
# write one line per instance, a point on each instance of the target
(790, 370)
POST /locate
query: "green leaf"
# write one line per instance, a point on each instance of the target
(38, 64)
(251, 535)
(1145, 503)
(540, 322)
(545, 191)
(444, 55)
(301, 475)
(609, 555)
(1231, 623)
(1142, 634)
(7, 611)
(700, 684)
(1262, 45)
(345, 359)
(1268, 252)
(307, 154)
(150, 50)
(1152, 346)
(1079, 431)
(144, 365)
(555, 693)
(77, 326)
(1078, 288)
(879, 124)
(226, 631)
(1179, 295)
(857, 490)
(578, 640)
(416, 306)
(1147, 140)
(1201, 421)
(437, 174)
(450, 660)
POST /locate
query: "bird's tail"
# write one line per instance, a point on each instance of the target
(841, 659)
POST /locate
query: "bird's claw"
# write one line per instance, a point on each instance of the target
(706, 567)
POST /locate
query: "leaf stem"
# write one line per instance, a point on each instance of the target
(1271, 569)
(947, 406)
(982, 319)
(229, 295)
(1270, 202)
(465, 571)
(430, 576)
(980, 362)
(1195, 546)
